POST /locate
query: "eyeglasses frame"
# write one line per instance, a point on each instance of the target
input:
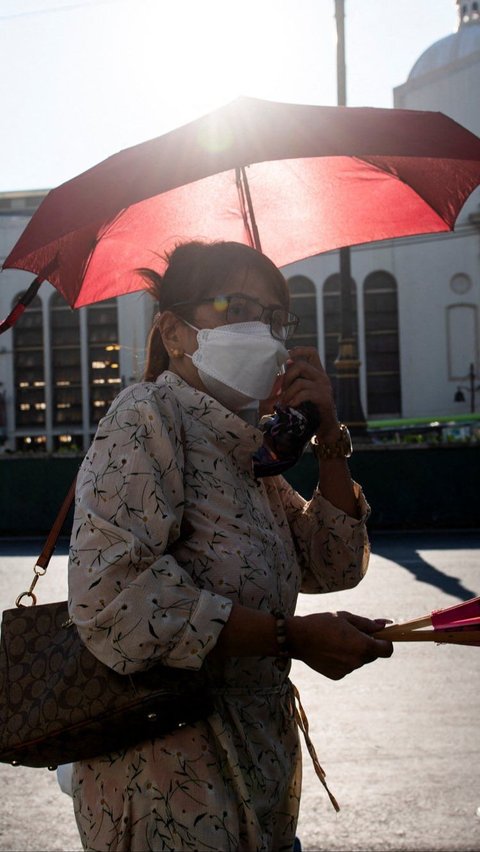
(290, 326)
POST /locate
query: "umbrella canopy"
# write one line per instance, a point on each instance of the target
(307, 179)
(466, 612)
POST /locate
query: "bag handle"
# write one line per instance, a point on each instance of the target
(41, 565)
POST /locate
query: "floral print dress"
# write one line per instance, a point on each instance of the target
(170, 529)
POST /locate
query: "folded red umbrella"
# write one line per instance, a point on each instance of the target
(458, 624)
(467, 611)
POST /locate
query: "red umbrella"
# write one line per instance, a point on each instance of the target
(308, 179)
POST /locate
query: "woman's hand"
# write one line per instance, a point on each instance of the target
(331, 643)
(306, 380)
(336, 643)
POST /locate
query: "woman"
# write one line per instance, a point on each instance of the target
(180, 556)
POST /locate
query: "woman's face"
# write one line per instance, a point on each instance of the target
(260, 292)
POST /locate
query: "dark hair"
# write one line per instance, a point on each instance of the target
(195, 271)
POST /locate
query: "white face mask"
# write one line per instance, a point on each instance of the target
(238, 363)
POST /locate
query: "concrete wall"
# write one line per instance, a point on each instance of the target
(411, 487)
(407, 488)
(32, 491)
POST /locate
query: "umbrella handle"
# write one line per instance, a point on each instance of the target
(424, 621)
(22, 303)
(462, 637)
(248, 217)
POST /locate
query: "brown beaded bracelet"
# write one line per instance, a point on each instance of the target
(283, 657)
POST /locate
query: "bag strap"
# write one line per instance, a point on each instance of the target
(57, 525)
(52, 538)
(49, 546)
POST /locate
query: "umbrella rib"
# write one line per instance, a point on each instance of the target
(101, 234)
(248, 219)
(394, 174)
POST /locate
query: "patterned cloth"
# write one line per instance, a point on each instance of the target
(171, 529)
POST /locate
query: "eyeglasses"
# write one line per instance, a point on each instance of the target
(239, 308)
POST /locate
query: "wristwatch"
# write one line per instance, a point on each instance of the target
(340, 449)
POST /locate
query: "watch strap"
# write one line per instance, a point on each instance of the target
(339, 449)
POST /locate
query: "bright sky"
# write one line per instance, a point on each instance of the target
(82, 79)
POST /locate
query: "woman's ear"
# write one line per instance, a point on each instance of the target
(170, 329)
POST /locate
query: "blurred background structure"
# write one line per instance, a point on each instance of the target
(414, 316)
(415, 301)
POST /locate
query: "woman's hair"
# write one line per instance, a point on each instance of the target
(196, 271)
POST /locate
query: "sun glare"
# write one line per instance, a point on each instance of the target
(214, 51)
(152, 65)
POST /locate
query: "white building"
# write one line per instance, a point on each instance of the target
(61, 368)
(417, 299)
(417, 302)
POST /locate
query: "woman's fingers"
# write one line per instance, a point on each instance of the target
(376, 647)
(366, 625)
(307, 382)
(299, 366)
(307, 353)
(304, 364)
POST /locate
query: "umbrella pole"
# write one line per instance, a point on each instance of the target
(450, 637)
(347, 365)
(248, 212)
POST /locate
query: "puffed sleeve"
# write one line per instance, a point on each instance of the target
(132, 603)
(332, 547)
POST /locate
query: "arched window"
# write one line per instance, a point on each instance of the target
(469, 12)
(66, 363)
(103, 357)
(303, 302)
(331, 320)
(30, 404)
(382, 345)
(462, 339)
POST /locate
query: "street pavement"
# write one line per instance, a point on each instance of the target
(398, 739)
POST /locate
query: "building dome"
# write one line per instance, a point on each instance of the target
(453, 48)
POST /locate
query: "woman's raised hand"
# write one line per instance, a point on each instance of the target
(305, 380)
